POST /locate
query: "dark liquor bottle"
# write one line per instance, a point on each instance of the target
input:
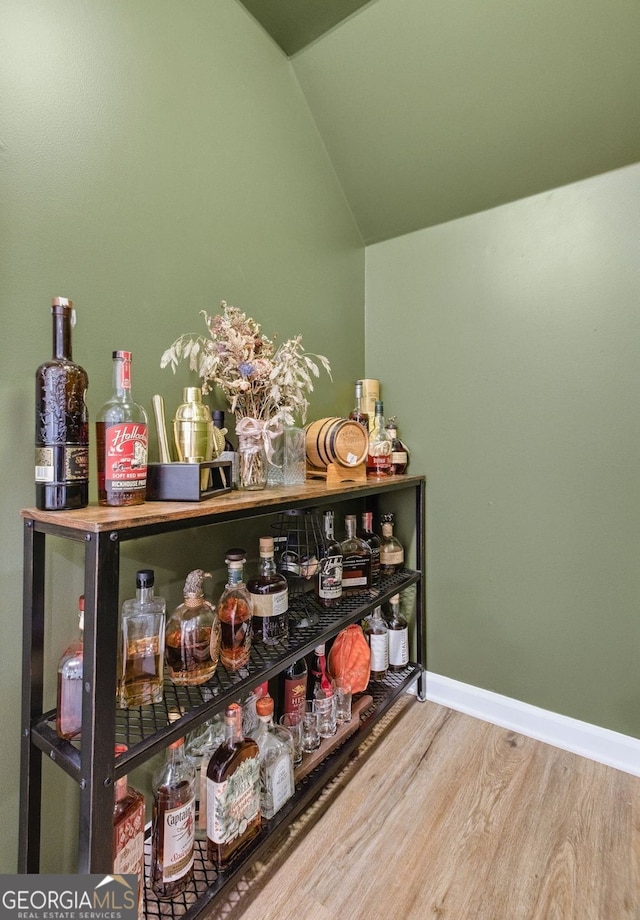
(356, 560)
(398, 636)
(173, 823)
(329, 582)
(69, 707)
(399, 451)
(192, 640)
(141, 659)
(122, 440)
(233, 792)
(62, 422)
(270, 598)
(235, 614)
(391, 549)
(295, 686)
(373, 541)
(128, 832)
(379, 456)
(358, 414)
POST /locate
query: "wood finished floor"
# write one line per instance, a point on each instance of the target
(445, 817)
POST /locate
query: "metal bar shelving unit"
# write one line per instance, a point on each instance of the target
(148, 730)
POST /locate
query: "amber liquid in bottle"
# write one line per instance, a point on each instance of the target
(69, 698)
(121, 441)
(235, 614)
(62, 422)
(128, 833)
(173, 824)
(270, 598)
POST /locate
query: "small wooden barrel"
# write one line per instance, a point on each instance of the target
(336, 440)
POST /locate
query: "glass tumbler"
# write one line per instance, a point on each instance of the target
(325, 708)
(310, 736)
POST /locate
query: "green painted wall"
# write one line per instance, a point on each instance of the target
(508, 344)
(155, 158)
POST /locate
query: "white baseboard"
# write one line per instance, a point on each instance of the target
(599, 744)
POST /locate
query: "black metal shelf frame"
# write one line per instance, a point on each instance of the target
(147, 730)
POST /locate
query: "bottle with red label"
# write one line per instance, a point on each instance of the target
(122, 440)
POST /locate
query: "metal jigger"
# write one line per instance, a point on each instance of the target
(193, 432)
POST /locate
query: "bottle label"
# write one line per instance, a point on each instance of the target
(295, 693)
(278, 780)
(270, 605)
(399, 456)
(126, 456)
(399, 647)
(62, 463)
(234, 803)
(128, 856)
(330, 577)
(379, 643)
(356, 571)
(179, 833)
(393, 556)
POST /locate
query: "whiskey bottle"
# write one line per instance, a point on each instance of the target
(270, 598)
(377, 634)
(192, 638)
(275, 746)
(329, 582)
(295, 686)
(200, 745)
(399, 450)
(121, 440)
(142, 634)
(358, 414)
(173, 823)
(373, 540)
(391, 549)
(233, 792)
(62, 422)
(235, 614)
(379, 456)
(356, 560)
(128, 832)
(69, 705)
(398, 636)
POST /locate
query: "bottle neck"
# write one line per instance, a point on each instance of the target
(235, 574)
(122, 375)
(328, 527)
(144, 595)
(367, 520)
(350, 527)
(387, 529)
(233, 726)
(62, 333)
(122, 788)
(267, 566)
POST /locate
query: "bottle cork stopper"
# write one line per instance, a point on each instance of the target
(264, 707)
(266, 546)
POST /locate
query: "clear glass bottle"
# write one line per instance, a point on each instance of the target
(358, 414)
(295, 686)
(128, 832)
(200, 745)
(356, 560)
(398, 636)
(329, 581)
(69, 704)
(192, 638)
(233, 792)
(173, 823)
(373, 541)
(276, 760)
(399, 450)
(379, 455)
(62, 421)
(391, 549)
(375, 629)
(270, 598)
(235, 614)
(122, 439)
(141, 653)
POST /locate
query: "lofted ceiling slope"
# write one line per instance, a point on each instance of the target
(432, 110)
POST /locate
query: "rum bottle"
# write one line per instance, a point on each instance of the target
(377, 634)
(379, 456)
(128, 832)
(358, 414)
(270, 598)
(192, 637)
(391, 549)
(141, 659)
(69, 706)
(122, 440)
(62, 421)
(295, 686)
(329, 582)
(356, 560)
(373, 541)
(275, 747)
(235, 614)
(398, 636)
(399, 450)
(173, 823)
(233, 792)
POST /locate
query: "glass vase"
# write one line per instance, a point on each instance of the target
(252, 466)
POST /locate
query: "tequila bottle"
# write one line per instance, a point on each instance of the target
(233, 792)
(235, 614)
(391, 549)
(270, 598)
(276, 760)
(142, 645)
(192, 645)
(69, 705)
(173, 823)
(356, 560)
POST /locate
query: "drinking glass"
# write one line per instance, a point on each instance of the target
(342, 693)
(325, 708)
(292, 721)
(310, 740)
